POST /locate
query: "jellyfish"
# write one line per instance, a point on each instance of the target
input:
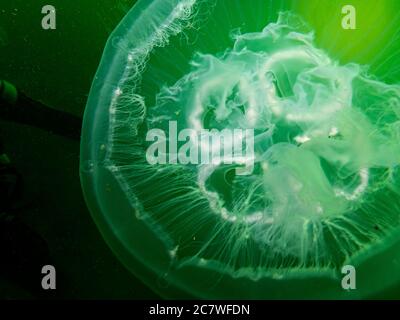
(320, 188)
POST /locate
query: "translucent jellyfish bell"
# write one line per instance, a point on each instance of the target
(323, 181)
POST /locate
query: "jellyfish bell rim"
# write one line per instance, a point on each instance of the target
(97, 179)
(95, 136)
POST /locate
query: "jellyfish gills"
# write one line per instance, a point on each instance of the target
(324, 106)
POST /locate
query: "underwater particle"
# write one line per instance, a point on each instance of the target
(323, 190)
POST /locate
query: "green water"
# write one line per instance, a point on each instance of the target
(57, 68)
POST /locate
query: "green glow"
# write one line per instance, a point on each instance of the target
(325, 188)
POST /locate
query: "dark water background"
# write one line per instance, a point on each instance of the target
(57, 67)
